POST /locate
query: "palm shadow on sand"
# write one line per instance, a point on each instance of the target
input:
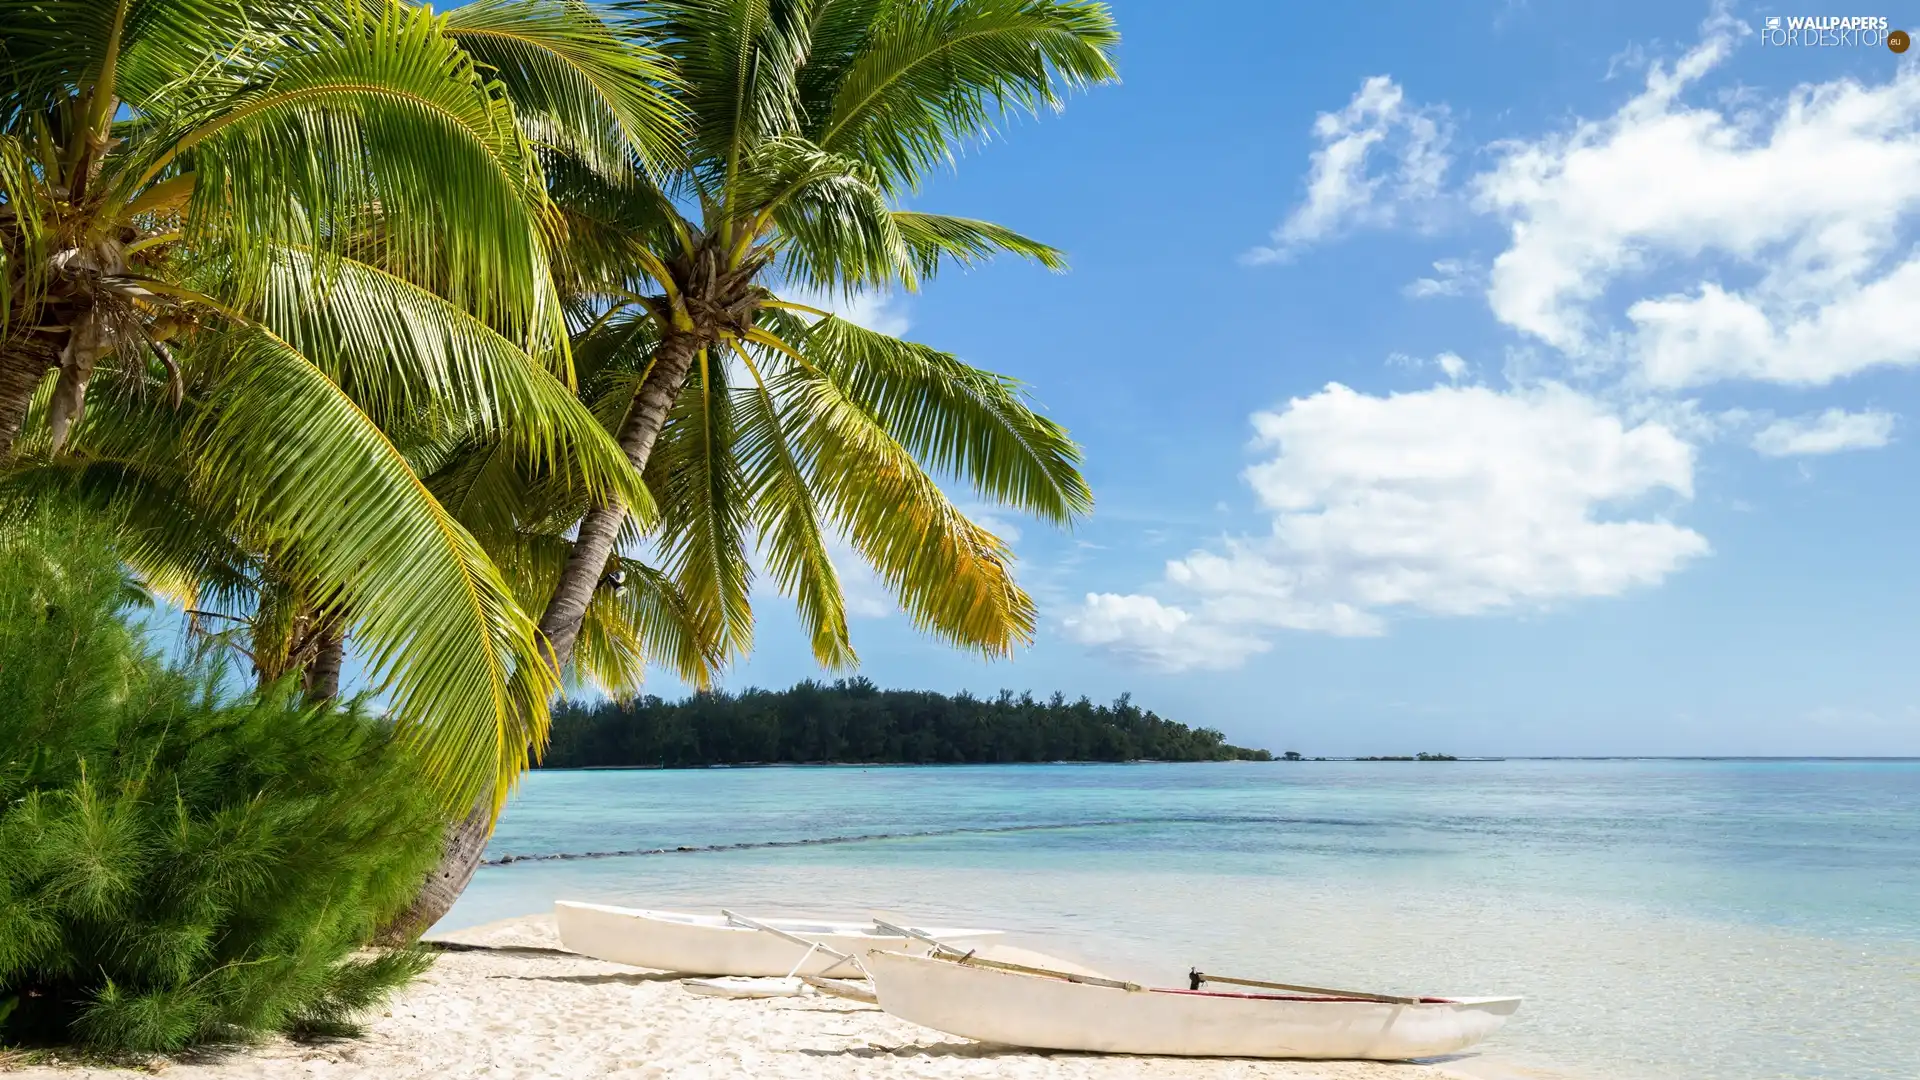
(997, 1050)
(618, 978)
(939, 1049)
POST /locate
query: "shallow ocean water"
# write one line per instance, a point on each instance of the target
(1666, 920)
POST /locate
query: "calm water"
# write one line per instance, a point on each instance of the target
(1665, 920)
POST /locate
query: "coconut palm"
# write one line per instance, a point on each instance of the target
(242, 243)
(762, 422)
(808, 120)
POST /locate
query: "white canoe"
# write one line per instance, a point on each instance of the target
(1016, 1009)
(710, 945)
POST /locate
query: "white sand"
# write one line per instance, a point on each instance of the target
(510, 1014)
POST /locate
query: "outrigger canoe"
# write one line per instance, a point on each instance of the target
(727, 944)
(1029, 1007)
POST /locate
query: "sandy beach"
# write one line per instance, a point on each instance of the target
(521, 1008)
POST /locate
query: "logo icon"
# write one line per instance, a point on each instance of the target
(1852, 31)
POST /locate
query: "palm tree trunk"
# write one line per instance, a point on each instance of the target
(321, 680)
(21, 369)
(85, 345)
(593, 543)
(465, 845)
(586, 565)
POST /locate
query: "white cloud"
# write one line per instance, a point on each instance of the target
(880, 312)
(1458, 500)
(1827, 433)
(994, 520)
(1450, 364)
(1461, 500)
(1713, 334)
(1344, 188)
(1631, 58)
(1689, 419)
(1803, 200)
(1143, 630)
(1452, 277)
(867, 597)
(1671, 244)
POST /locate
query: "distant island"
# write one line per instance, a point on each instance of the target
(852, 721)
(1294, 755)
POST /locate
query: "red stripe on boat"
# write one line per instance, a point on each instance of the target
(1289, 997)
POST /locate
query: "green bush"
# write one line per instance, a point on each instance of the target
(180, 862)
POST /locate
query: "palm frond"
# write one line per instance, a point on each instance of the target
(738, 60)
(973, 424)
(54, 49)
(638, 616)
(613, 359)
(434, 621)
(575, 83)
(936, 239)
(398, 350)
(645, 619)
(480, 485)
(929, 74)
(695, 474)
(792, 540)
(834, 228)
(604, 227)
(173, 540)
(394, 116)
(953, 577)
(23, 257)
(839, 32)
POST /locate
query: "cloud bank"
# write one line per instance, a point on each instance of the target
(1450, 501)
(1683, 241)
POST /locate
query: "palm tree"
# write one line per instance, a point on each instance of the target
(807, 120)
(760, 421)
(242, 243)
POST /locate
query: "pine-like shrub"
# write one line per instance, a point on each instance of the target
(181, 863)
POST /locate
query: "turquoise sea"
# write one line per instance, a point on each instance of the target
(1666, 920)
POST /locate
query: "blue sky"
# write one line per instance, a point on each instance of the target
(1632, 471)
(1496, 377)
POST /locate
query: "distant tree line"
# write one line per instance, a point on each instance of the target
(852, 720)
(1294, 755)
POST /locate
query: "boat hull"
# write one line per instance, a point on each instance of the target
(709, 945)
(1014, 1009)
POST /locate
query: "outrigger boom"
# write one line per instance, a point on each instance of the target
(948, 952)
(1197, 979)
(811, 946)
